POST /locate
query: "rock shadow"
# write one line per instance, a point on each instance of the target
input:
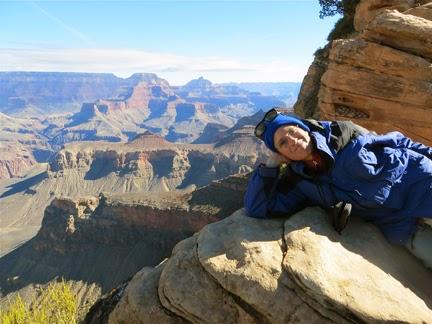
(24, 186)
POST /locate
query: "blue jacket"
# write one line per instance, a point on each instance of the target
(387, 179)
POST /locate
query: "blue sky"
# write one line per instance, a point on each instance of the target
(178, 40)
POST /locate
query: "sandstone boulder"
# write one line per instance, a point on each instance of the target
(308, 96)
(402, 31)
(367, 10)
(424, 11)
(382, 79)
(243, 270)
(133, 308)
(347, 275)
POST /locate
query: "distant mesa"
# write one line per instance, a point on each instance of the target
(73, 107)
(148, 138)
(199, 84)
(56, 92)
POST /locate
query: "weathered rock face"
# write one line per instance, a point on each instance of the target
(148, 103)
(243, 270)
(144, 165)
(96, 243)
(306, 105)
(20, 145)
(58, 92)
(367, 10)
(149, 163)
(424, 11)
(381, 78)
(15, 159)
(106, 239)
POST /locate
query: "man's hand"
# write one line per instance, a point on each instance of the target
(276, 160)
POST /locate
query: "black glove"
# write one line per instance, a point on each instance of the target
(341, 212)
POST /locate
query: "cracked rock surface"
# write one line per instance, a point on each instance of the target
(380, 76)
(288, 270)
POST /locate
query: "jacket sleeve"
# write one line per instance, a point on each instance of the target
(263, 200)
(405, 142)
(377, 164)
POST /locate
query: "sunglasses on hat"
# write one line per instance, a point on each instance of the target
(261, 127)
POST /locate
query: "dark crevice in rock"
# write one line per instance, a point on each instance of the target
(398, 48)
(180, 312)
(248, 309)
(283, 246)
(365, 96)
(100, 311)
(299, 290)
(326, 304)
(171, 313)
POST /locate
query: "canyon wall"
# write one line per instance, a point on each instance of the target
(381, 77)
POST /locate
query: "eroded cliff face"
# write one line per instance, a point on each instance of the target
(146, 164)
(150, 163)
(98, 242)
(21, 146)
(15, 159)
(382, 77)
(296, 270)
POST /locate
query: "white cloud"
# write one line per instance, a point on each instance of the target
(177, 69)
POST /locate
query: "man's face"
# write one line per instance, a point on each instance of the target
(293, 142)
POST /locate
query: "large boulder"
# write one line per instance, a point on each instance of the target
(382, 79)
(244, 270)
(367, 10)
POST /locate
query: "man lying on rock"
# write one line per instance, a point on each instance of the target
(385, 179)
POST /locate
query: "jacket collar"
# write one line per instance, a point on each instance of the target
(320, 141)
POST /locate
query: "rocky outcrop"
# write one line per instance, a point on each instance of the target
(306, 105)
(16, 167)
(146, 164)
(140, 103)
(106, 239)
(21, 145)
(97, 243)
(424, 11)
(296, 270)
(15, 159)
(367, 10)
(59, 91)
(381, 78)
(149, 163)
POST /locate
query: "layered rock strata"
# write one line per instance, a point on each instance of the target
(21, 145)
(104, 240)
(149, 163)
(15, 159)
(382, 77)
(243, 270)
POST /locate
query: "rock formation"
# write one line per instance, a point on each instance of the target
(148, 163)
(179, 114)
(21, 145)
(39, 93)
(96, 243)
(15, 159)
(381, 78)
(296, 270)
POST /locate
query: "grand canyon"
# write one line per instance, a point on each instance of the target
(131, 189)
